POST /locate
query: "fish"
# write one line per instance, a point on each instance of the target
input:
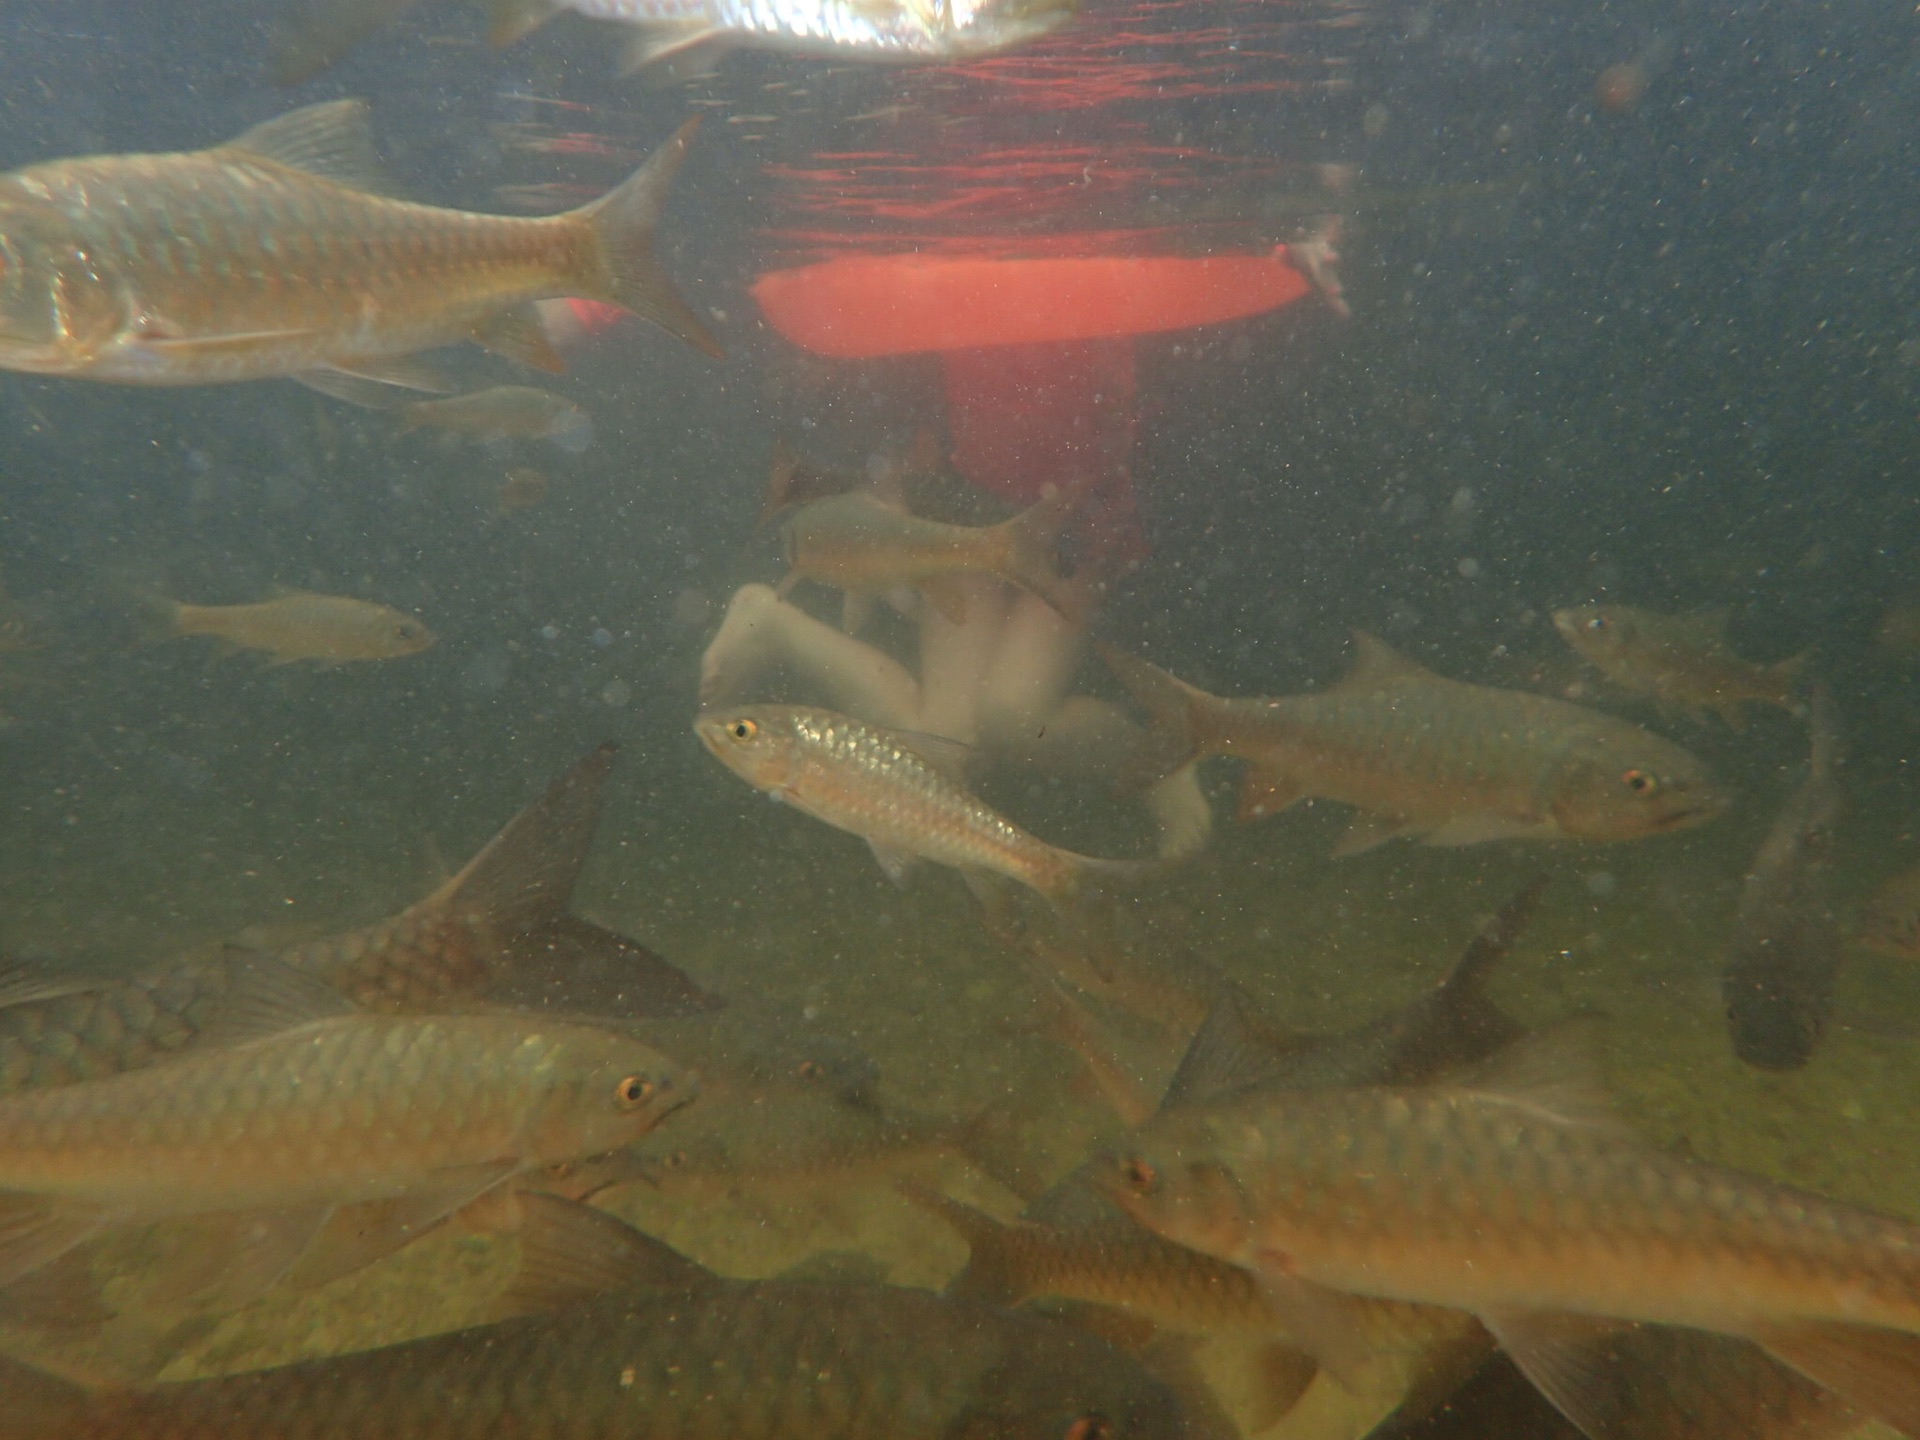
(1682, 661)
(1512, 1196)
(792, 481)
(902, 31)
(309, 1109)
(866, 547)
(1777, 981)
(302, 625)
(275, 255)
(498, 933)
(1423, 756)
(503, 412)
(880, 785)
(620, 1336)
(1891, 923)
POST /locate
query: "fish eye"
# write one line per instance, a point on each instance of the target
(406, 630)
(743, 729)
(633, 1092)
(1090, 1427)
(809, 1071)
(1140, 1175)
(1596, 624)
(1640, 782)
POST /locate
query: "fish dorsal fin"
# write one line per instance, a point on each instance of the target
(1552, 1075)
(1377, 665)
(571, 1252)
(265, 997)
(1231, 1051)
(331, 140)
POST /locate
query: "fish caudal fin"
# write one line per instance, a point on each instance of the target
(993, 1273)
(624, 221)
(1029, 538)
(1873, 1369)
(1172, 738)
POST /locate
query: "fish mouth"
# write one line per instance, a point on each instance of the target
(1698, 813)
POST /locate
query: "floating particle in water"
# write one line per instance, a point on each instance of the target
(601, 637)
(1469, 568)
(549, 633)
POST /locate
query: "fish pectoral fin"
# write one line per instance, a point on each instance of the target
(1265, 792)
(355, 1236)
(571, 1252)
(332, 139)
(1327, 1324)
(353, 389)
(1367, 831)
(898, 864)
(266, 997)
(695, 49)
(1553, 1075)
(35, 1231)
(519, 335)
(1571, 1360)
(1478, 828)
(406, 372)
(225, 1260)
(1871, 1368)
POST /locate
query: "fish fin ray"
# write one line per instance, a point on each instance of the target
(1377, 665)
(624, 220)
(570, 1251)
(266, 996)
(992, 1274)
(355, 1236)
(520, 335)
(1231, 1051)
(1328, 1325)
(405, 372)
(692, 50)
(1368, 830)
(954, 759)
(1553, 1074)
(229, 1259)
(898, 865)
(1265, 791)
(1873, 1369)
(570, 966)
(1172, 708)
(1570, 1360)
(332, 140)
(35, 1232)
(28, 982)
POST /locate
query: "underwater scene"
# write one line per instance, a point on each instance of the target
(984, 720)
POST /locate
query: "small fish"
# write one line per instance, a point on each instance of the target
(312, 1108)
(866, 547)
(880, 785)
(499, 931)
(628, 1340)
(274, 255)
(505, 412)
(1510, 1196)
(910, 32)
(1891, 924)
(1778, 979)
(521, 488)
(1682, 661)
(301, 625)
(1421, 755)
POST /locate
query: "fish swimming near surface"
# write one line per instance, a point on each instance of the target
(297, 625)
(866, 547)
(311, 1109)
(1511, 1196)
(620, 1338)
(882, 786)
(498, 933)
(505, 412)
(1441, 760)
(1682, 661)
(275, 255)
(1891, 924)
(1785, 952)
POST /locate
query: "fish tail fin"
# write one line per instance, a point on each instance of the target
(1872, 1369)
(1464, 991)
(35, 1405)
(624, 220)
(993, 1273)
(1029, 538)
(1172, 708)
(511, 20)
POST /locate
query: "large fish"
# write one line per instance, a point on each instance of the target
(409, 1118)
(866, 547)
(673, 1353)
(880, 785)
(1511, 1198)
(273, 255)
(1785, 952)
(1682, 661)
(498, 932)
(1421, 755)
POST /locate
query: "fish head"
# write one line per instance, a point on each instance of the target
(1176, 1179)
(981, 27)
(1625, 783)
(393, 633)
(56, 310)
(596, 1091)
(1057, 1382)
(756, 742)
